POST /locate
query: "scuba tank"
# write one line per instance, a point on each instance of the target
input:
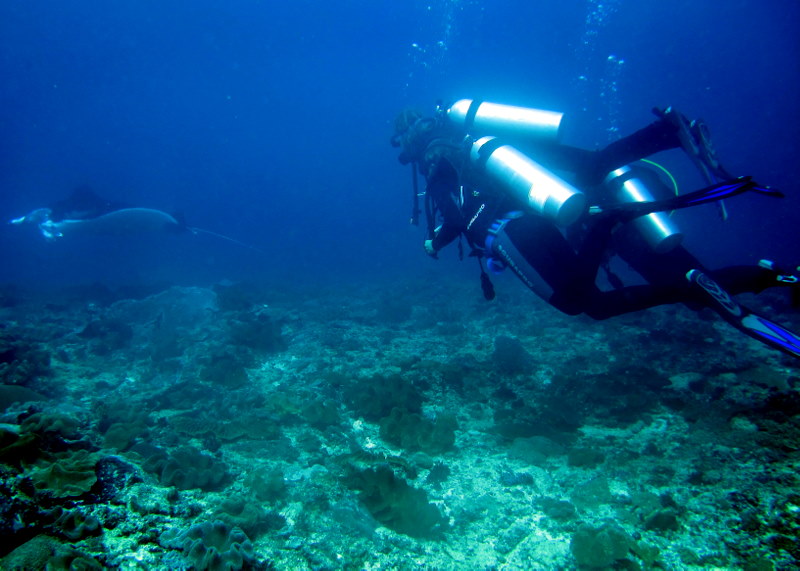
(484, 118)
(526, 180)
(657, 228)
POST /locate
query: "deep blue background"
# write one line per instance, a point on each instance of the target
(269, 122)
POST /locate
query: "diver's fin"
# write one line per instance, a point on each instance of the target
(772, 334)
(743, 319)
(723, 190)
(712, 193)
(695, 139)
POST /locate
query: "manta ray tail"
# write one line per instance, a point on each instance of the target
(195, 230)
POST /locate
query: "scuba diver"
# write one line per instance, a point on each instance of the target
(511, 210)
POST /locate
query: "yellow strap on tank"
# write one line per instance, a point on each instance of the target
(666, 172)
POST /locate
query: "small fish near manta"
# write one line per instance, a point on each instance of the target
(84, 213)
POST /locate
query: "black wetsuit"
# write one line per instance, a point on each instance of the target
(540, 255)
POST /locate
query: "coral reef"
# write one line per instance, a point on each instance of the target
(245, 426)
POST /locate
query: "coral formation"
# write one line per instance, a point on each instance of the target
(185, 467)
(107, 335)
(21, 361)
(212, 546)
(510, 357)
(600, 547)
(396, 504)
(256, 330)
(44, 552)
(74, 524)
(415, 432)
(11, 394)
(248, 515)
(374, 397)
(239, 426)
(68, 475)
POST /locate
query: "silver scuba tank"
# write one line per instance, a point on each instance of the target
(657, 228)
(528, 181)
(483, 118)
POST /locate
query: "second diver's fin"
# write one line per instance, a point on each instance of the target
(695, 139)
(705, 195)
(722, 190)
(752, 324)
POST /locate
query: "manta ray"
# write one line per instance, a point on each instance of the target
(84, 213)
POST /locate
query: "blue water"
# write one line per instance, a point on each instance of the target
(303, 370)
(269, 122)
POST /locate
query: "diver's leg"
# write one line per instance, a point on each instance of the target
(564, 157)
(591, 167)
(701, 289)
(731, 280)
(749, 279)
(666, 269)
(534, 250)
(658, 136)
(672, 130)
(605, 304)
(542, 258)
(670, 268)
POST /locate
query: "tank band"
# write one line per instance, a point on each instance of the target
(469, 120)
(486, 151)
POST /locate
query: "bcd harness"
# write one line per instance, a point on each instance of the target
(436, 149)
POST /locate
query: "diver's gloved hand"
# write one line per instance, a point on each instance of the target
(429, 249)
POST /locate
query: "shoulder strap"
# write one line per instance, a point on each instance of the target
(415, 195)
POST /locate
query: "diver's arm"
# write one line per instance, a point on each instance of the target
(441, 186)
(450, 228)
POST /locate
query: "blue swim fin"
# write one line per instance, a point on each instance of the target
(743, 319)
(723, 190)
(712, 193)
(772, 334)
